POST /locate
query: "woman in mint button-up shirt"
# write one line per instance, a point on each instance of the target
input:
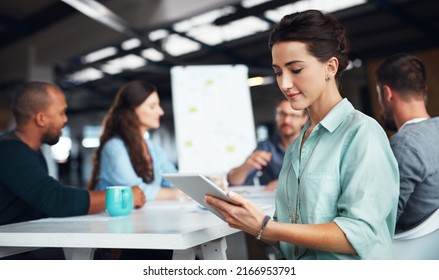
(348, 177)
(338, 188)
(126, 155)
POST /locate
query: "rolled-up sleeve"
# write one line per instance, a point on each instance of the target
(369, 191)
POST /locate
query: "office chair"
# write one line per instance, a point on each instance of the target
(419, 243)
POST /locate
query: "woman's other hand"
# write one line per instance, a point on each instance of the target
(138, 197)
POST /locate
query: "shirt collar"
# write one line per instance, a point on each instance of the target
(415, 120)
(332, 120)
(337, 115)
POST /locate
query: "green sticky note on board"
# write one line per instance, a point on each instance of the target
(188, 143)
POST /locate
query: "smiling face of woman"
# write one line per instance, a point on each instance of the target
(300, 76)
(149, 112)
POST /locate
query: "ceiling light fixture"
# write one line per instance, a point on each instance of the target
(120, 64)
(260, 81)
(131, 44)
(276, 15)
(98, 55)
(85, 75)
(152, 54)
(100, 13)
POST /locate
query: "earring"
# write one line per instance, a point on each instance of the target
(327, 78)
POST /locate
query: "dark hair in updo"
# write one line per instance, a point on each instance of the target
(323, 34)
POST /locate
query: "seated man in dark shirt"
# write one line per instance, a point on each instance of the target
(27, 192)
(265, 163)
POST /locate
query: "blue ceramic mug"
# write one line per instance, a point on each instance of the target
(119, 200)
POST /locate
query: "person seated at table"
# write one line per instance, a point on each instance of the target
(267, 158)
(126, 155)
(402, 94)
(27, 192)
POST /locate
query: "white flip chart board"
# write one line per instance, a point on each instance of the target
(213, 116)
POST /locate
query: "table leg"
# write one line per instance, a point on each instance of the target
(188, 254)
(79, 253)
(215, 250)
(237, 246)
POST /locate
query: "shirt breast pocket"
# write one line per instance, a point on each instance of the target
(319, 193)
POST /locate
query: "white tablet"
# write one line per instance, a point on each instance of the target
(197, 186)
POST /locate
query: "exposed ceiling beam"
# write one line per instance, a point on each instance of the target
(404, 16)
(32, 24)
(102, 14)
(253, 11)
(17, 25)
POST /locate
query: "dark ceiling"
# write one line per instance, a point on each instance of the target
(377, 28)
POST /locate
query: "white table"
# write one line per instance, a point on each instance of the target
(179, 226)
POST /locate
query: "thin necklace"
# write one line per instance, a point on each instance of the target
(294, 219)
